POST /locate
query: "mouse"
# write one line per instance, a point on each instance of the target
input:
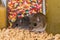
(38, 22)
(23, 22)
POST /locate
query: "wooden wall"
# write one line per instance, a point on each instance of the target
(2, 16)
(53, 16)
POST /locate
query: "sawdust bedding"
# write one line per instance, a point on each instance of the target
(21, 34)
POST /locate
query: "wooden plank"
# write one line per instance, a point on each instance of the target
(53, 16)
(2, 17)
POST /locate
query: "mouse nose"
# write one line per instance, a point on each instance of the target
(35, 24)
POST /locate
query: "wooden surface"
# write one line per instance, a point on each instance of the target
(2, 17)
(53, 16)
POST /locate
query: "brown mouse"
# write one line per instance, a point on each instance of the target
(38, 22)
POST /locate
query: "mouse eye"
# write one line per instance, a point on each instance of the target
(35, 24)
(16, 24)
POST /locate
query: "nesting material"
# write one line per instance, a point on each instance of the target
(21, 34)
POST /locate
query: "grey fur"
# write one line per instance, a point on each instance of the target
(38, 22)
